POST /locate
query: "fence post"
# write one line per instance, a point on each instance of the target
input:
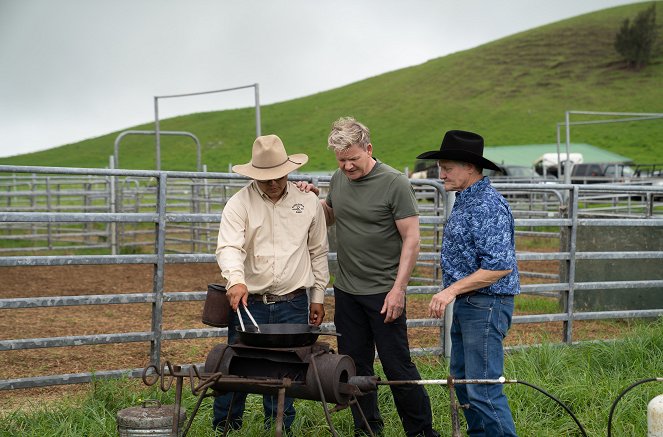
(158, 278)
(112, 226)
(569, 241)
(49, 226)
(87, 205)
(450, 198)
(206, 194)
(195, 208)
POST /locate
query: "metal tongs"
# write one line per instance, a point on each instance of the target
(241, 322)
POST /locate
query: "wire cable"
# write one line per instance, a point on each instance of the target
(568, 410)
(626, 390)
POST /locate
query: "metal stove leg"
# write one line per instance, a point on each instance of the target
(368, 426)
(178, 401)
(202, 396)
(322, 396)
(455, 424)
(279, 412)
(226, 427)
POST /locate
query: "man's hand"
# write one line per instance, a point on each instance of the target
(316, 314)
(236, 294)
(439, 302)
(306, 187)
(329, 212)
(393, 306)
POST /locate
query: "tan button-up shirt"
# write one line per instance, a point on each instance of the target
(277, 247)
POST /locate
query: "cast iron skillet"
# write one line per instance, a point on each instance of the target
(281, 335)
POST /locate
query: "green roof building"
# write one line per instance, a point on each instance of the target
(527, 154)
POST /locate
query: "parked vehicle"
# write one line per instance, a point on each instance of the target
(549, 163)
(650, 174)
(425, 169)
(593, 173)
(649, 171)
(513, 173)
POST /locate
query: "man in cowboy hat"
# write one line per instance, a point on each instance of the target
(480, 273)
(272, 249)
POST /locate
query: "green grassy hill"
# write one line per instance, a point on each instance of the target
(512, 91)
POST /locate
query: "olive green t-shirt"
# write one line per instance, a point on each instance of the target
(369, 244)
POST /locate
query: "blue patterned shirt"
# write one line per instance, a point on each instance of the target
(480, 234)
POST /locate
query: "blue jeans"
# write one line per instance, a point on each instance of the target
(480, 323)
(294, 311)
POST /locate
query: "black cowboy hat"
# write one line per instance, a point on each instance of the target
(459, 145)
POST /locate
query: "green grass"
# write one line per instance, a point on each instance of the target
(587, 378)
(513, 91)
(536, 305)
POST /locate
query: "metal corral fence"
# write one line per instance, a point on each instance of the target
(122, 217)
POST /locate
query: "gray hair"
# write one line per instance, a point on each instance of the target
(347, 132)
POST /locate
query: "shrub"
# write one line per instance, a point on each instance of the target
(637, 42)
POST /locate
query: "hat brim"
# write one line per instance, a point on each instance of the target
(264, 174)
(459, 155)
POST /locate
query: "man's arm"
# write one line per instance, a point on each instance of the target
(318, 248)
(479, 279)
(329, 212)
(230, 253)
(395, 300)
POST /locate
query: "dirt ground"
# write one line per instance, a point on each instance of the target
(82, 280)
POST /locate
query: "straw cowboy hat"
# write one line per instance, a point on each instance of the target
(459, 145)
(269, 160)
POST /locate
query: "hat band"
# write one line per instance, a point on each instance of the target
(274, 166)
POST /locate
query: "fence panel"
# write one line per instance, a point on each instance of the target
(63, 216)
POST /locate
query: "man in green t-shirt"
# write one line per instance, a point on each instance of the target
(377, 231)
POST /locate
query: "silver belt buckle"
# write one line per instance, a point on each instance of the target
(265, 301)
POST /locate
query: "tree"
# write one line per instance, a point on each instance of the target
(637, 42)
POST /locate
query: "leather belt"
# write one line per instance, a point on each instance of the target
(274, 298)
(475, 292)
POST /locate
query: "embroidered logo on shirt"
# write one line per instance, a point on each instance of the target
(298, 208)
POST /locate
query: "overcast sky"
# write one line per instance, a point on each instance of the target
(76, 69)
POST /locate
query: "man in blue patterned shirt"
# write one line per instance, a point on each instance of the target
(480, 274)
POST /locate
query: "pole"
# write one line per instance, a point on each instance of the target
(157, 132)
(257, 101)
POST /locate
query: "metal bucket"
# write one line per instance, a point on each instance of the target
(153, 420)
(216, 311)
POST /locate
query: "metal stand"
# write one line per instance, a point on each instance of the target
(168, 373)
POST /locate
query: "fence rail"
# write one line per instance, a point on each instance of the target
(175, 215)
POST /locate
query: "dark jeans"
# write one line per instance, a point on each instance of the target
(362, 329)
(294, 311)
(480, 323)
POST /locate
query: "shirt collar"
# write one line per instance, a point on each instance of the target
(262, 194)
(476, 187)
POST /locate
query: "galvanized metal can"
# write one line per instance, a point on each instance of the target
(149, 419)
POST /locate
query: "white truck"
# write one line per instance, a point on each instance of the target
(549, 163)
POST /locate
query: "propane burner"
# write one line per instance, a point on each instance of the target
(310, 370)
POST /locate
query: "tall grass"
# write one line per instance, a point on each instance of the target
(587, 378)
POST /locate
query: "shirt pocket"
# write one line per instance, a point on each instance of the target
(260, 264)
(293, 232)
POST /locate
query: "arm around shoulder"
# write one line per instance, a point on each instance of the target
(329, 212)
